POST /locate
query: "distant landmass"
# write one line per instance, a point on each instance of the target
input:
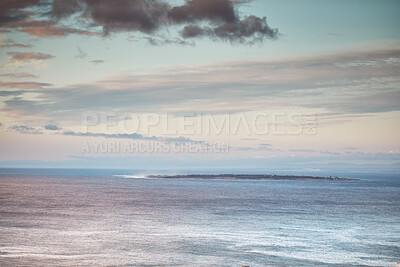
(271, 177)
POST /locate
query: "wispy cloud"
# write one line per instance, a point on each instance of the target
(13, 45)
(303, 150)
(25, 58)
(321, 83)
(97, 61)
(25, 129)
(22, 56)
(20, 75)
(24, 85)
(45, 28)
(131, 136)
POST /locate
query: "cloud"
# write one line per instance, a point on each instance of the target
(25, 56)
(18, 15)
(10, 11)
(329, 153)
(11, 93)
(349, 148)
(131, 136)
(315, 83)
(12, 45)
(243, 149)
(162, 40)
(9, 43)
(52, 127)
(97, 61)
(24, 85)
(303, 150)
(25, 129)
(377, 102)
(46, 28)
(198, 10)
(220, 16)
(260, 148)
(266, 145)
(250, 30)
(215, 19)
(21, 75)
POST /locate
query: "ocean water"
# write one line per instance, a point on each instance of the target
(112, 217)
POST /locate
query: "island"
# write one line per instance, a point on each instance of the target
(270, 177)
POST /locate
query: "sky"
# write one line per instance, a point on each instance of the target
(305, 85)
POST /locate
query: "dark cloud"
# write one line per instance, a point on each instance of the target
(64, 8)
(9, 5)
(52, 127)
(215, 19)
(220, 18)
(10, 10)
(201, 10)
(117, 15)
(224, 24)
(251, 29)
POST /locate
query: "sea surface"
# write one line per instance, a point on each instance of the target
(61, 217)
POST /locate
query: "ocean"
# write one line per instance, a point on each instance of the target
(63, 217)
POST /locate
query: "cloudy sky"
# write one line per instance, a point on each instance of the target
(304, 84)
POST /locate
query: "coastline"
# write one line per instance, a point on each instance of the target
(267, 177)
